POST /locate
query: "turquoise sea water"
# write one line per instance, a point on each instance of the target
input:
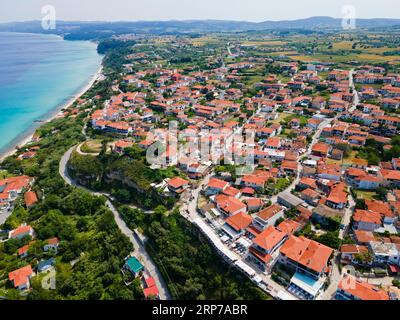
(38, 73)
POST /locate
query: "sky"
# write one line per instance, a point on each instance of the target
(242, 10)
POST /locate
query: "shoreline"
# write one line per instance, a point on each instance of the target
(27, 136)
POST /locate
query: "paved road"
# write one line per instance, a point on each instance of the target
(140, 251)
(356, 96)
(347, 217)
(335, 277)
(4, 214)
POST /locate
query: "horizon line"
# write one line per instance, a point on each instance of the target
(192, 20)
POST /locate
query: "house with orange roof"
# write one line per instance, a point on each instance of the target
(310, 196)
(360, 179)
(216, 186)
(120, 146)
(268, 216)
(51, 244)
(177, 185)
(366, 220)
(329, 171)
(273, 143)
(337, 198)
(20, 277)
(289, 226)
(119, 127)
(236, 225)
(229, 205)
(321, 149)
(256, 180)
(289, 167)
(306, 183)
(151, 291)
(383, 208)
(20, 232)
(305, 256)
(264, 245)
(23, 251)
(232, 192)
(391, 177)
(266, 132)
(254, 204)
(30, 199)
(351, 288)
(12, 187)
(145, 143)
(363, 237)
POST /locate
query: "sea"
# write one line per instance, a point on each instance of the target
(38, 75)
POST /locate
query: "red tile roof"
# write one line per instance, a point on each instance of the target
(361, 290)
(380, 207)
(321, 148)
(239, 221)
(229, 204)
(177, 182)
(306, 252)
(269, 238)
(20, 276)
(217, 183)
(367, 217)
(364, 236)
(289, 226)
(263, 257)
(269, 212)
(30, 198)
(20, 230)
(150, 291)
(231, 191)
(23, 249)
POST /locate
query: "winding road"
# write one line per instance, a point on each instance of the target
(140, 250)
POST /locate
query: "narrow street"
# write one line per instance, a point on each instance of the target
(353, 87)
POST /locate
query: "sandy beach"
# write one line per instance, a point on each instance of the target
(27, 137)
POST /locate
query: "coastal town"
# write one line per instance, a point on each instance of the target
(288, 168)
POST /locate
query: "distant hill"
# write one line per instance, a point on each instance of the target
(93, 30)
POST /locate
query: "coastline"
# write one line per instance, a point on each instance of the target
(26, 137)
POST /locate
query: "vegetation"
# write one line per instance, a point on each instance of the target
(85, 227)
(329, 238)
(189, 264)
